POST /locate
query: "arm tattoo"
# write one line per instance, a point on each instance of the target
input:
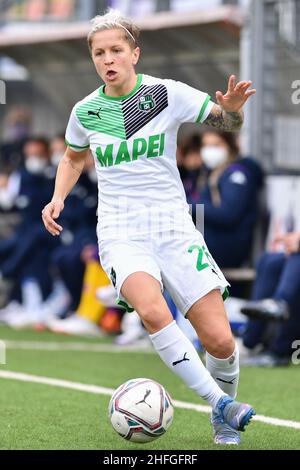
(69, 161)
(224, 120)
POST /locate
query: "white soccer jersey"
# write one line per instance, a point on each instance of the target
(133, 140)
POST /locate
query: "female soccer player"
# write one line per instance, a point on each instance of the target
(147, 239)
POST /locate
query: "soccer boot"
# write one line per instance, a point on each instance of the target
(236, 415)
(223, 433)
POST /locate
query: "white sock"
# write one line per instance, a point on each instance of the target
(32, 296)
(181, 357)
(225, 371)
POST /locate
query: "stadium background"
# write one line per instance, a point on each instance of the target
(45, 67)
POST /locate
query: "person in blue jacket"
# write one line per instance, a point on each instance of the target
(20, 255)
(274, 322)
(27, 256)
(230, 199)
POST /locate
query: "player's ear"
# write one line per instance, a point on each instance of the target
(135, 55)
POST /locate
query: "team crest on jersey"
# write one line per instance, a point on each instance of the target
(146, 102)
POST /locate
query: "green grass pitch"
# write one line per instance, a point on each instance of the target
(38, 416)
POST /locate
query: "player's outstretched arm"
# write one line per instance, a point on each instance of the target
(68, 172)
(227, 115)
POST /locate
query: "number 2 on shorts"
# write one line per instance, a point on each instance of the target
(201, 251)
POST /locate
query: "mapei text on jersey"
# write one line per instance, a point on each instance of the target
(127, 152)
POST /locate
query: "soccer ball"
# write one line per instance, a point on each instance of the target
(140, 410)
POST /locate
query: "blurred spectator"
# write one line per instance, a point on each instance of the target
(16, 130)
(9, 187)
(9, 217)
(31, 260)
(17, 125)
(230, 199)
(63, 259)
(36, 154)
(275, 296)
(22, 256)
(57, 149)
(190, 166)
(27, 187)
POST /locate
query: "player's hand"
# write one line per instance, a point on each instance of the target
(236, 95)
(51, 212)
(291, 242)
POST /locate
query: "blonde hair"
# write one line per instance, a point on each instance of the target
(111, 20)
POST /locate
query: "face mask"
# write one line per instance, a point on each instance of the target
(213, 156)
(6, 200)
(56, 158)
(35, 164)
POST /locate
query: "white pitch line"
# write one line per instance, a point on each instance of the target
(143, 347)
(5, 374)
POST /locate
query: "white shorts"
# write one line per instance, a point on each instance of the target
(182, 265)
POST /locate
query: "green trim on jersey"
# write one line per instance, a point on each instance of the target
(225, 294)
(124, 97)
(203, 108)
(98, 115)
(77, 146)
